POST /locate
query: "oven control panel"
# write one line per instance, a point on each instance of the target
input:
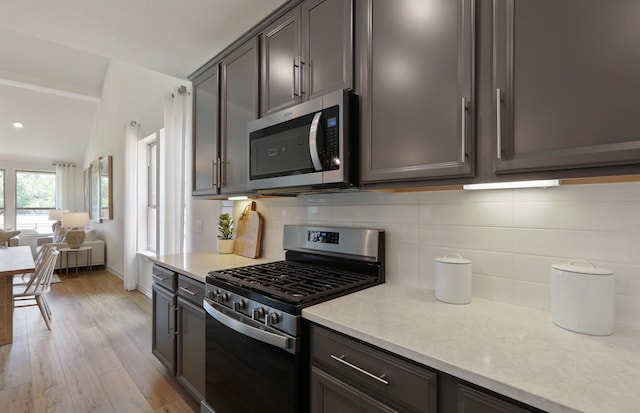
(258, 312)
(323, 237)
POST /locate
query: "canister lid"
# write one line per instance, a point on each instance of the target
(453, 258)
(582, 267)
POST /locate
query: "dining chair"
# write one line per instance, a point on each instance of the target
(38, 286)
(21, 279)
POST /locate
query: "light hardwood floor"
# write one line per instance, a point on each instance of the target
(96, 358)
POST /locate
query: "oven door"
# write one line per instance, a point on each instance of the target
(250, 367)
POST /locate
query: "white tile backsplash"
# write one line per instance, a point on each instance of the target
(512, 236)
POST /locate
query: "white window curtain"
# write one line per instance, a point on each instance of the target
(66, 186)
(130, 206)
(172, 194)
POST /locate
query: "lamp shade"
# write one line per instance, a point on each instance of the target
(75, 219)
(56, 214)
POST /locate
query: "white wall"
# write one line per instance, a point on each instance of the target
(511, 236)
(129, 93)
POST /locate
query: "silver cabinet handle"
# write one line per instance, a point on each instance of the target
(463, 127)
(219, 173)
(498, 123)
(300, 92)
(293, 80)
(223, 173)
(275, 340)
(214, 171)
(169, 306)
(188, 291)
(159, 279)
(360, 370)
(315, 129)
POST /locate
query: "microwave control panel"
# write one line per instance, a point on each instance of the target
(332, 139)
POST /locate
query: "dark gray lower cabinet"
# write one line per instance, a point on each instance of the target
(474, 401)
(350, 376)
(329, 395)
(163, 342)
(191, 351)
(178, 337)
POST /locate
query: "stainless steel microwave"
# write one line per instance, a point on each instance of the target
(308, 146)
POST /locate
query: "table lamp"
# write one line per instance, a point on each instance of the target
(75, 222)
(56, 215)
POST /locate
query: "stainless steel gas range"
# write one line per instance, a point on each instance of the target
(257, 348)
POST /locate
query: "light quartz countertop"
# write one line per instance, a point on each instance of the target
(511, 350)
(197, 265)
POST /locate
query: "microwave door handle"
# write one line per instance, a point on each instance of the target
(314, 131)
(244, 329)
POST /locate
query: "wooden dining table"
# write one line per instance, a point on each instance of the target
(13, 260)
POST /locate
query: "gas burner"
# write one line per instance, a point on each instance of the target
(293, 282)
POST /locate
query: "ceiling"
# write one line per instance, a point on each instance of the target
(54, 56)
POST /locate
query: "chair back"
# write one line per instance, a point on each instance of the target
(40, 280)
(42, 252)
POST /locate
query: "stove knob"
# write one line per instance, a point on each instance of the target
(258, 313)
(271, 319)
(239, 305)
(222, 297)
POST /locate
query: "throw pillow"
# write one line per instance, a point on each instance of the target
(90, 234)
(5, 236)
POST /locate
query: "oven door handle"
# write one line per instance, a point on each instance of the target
(314, 134)
(245, 329)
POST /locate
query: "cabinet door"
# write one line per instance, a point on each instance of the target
(327, 47)
(239, 105)
(475, 401)
(418, 99)
(280, 69)
(163, 341)
(566, 81)
(330, 395)
(191, 348)
(205, 133)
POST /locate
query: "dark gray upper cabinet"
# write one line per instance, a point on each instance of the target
(416, 77)
(306, 53)
(238, 106)
(566, 81)
(280, 43)
(225, 100)
(327, 47)
(205, 132)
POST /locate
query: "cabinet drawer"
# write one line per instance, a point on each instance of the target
(191, 290)
(165, 277)
(395, 381)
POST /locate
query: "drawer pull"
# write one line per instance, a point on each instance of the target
(353, 366)
(188, 291)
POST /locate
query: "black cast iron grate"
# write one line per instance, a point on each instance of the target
(292, 281)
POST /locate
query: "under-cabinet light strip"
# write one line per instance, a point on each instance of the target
(515, 184)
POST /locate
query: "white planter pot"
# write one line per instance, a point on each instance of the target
(225, 246)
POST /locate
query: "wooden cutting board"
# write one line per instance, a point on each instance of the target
(249, 233)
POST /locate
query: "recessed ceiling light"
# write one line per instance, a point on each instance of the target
(18, 125)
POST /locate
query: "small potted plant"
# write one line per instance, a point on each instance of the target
(226, 229)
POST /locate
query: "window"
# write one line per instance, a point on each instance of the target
(35, 196)
(1, 198)
(152, 194)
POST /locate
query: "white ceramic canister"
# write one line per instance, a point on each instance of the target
(582, 297)
(452, 279)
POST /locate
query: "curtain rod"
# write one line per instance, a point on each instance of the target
(73, 165)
